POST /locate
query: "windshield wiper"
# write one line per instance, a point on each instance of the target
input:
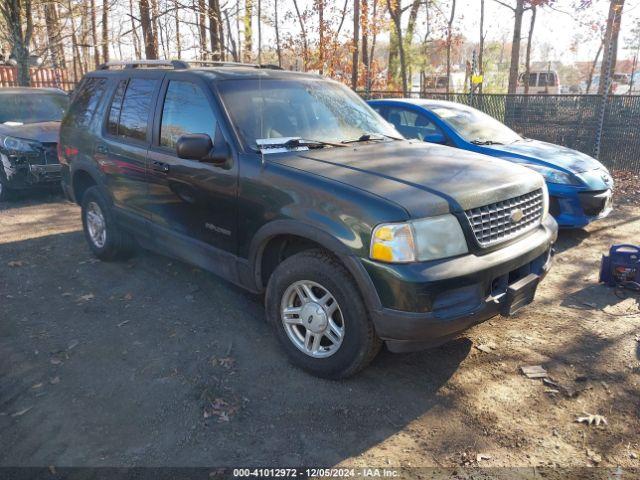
(366, 137)
(485, 142)
(267, 144)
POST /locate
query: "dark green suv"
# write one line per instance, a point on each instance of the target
(289, 184)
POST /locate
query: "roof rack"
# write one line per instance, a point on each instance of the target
(181, 64)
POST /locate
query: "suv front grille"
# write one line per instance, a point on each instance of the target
(502, 221)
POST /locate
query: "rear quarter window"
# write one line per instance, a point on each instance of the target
(85, 102)
(129, 114)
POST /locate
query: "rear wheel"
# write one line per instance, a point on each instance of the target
(105, 238)
(319, 317)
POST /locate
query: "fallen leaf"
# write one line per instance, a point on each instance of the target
(483, 456)
(225, 362)
(55, 361)
(534, 371)
(484, 348)
(73, 344)
(15, 263)
(123, 323)
(36, 386)
(85, 298)
(54, 380)
(591, 419)
(21, 412)
(66, 294)
(128, 296)
(633, 455)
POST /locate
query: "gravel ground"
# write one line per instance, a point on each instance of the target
(152, 362)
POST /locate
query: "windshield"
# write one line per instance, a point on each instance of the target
(475, 126)
(24, 108)
(315, 110)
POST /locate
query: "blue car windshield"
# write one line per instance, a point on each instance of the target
(474, 125)
(311, 109)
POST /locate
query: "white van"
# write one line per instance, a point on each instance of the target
(543, 81)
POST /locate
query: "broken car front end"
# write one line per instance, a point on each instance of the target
(27, 163)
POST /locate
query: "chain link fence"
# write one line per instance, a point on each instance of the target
(569, 120)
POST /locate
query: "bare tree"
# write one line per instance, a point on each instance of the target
(19, 34)
(481, 47)
(449, 41)
(177, 19)
(214, 30)
(395, 11)
(277, 31)
(134, 31)
(248, 35)
(54, 34)
(305, 43)
(94, 33)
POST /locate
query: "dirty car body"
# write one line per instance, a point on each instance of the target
(580, 187)
(29, 127)
(300, 171)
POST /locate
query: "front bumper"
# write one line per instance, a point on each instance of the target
(574, 208)
(427, 304)
(29, 172)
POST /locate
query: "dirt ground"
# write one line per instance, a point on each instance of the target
(151, 362)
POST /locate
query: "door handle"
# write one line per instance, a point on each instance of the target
(162, 167)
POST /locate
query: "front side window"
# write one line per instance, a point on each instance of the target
(186, 110)
(411, 124)
(129, 114)
(312, 109)
(32, 107)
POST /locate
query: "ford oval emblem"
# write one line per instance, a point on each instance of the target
(516, 215)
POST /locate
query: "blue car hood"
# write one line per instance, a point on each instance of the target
(563, 157)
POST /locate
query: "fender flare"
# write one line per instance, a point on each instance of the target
(321, 237)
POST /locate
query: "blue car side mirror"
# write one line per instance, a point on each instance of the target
(434, 138)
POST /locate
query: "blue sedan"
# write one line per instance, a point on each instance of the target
(580, 187)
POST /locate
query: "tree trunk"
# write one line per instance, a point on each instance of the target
(234, 46)
(178, 42)
(105, 30)
(364, 26)
(321, 27)
(134, 32)
(305, 44)
(278, 48)
(259, 32)
(214, 30)
(609, 59)
(202, 27)
(150, 51)
(53, 35)
(94, 33)
(356, 42)
(396, 13)
(515, 47)
(593, 66)
(372, 51)
(528, 58)
(75, 51)
(248, 34)
(19, 39)
(481, 47)
(449, 40)
(154, 25)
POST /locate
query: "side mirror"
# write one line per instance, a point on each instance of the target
(434, 138)
(198, 146)
(194, 146)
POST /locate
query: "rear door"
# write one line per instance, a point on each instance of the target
(189, 199)
(126, 140)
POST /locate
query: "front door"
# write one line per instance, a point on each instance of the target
(192, 200)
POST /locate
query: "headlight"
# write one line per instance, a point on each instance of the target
(553, 176)
(418, 240)
(14, 144)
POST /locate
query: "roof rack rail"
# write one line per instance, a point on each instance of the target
(128, 64)
(181, 64)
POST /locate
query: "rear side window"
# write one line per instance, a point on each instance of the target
(186, 110)
(85, 102)
(132, 111)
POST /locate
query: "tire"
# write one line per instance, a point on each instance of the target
(109, 242)
(334, 356)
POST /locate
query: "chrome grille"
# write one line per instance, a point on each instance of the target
(497, 222)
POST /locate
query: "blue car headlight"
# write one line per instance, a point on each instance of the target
(552, 175)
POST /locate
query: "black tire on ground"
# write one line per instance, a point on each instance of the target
(118, 244)
(360, 343)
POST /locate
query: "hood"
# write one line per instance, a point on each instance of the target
(44, 132)
(548, 153)
(425, 179)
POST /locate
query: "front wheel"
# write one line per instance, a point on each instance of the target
(319, 317)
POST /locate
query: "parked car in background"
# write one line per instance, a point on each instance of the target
(29, 127)
(290, 185)
(619, 84)
(580, 187)
(540, 82)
